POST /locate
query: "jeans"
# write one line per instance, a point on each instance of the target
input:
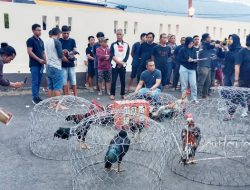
(188, 77)
(204, 80)
(55, 78)
(36, 75)
(154, 94)
(229, 80)
(122, 75)
(69, 74)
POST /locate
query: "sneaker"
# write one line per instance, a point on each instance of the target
(36, 100)
(99, 93)
(108, 93)
(95, 87)
(39, 99)
(91, 90)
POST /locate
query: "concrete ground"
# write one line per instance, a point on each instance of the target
(21, 170)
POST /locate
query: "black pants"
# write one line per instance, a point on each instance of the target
(122, 75)
(141, 68)
(204, 80)
(176, 75)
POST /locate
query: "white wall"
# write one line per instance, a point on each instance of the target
(88, 21)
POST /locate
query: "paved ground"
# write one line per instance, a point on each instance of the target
(21, 170)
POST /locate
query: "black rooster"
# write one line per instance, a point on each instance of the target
(81, 132)
(118, 148)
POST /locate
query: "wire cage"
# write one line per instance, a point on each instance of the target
(51, 121)
(210, 146)
(115, 155)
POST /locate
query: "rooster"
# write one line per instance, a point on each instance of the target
(117, 149)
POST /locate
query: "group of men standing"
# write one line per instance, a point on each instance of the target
(194, 63)
(55, 55)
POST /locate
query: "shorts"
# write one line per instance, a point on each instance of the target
(69, 74)
(55, 78)
(104, 75)
(134, 71)
(91, 69)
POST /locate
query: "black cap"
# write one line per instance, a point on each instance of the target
(55, 31)
(65, 28)
(100, 34)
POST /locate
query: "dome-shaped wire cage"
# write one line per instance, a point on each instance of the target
(115, 155)
(210, 146)
(50, 124)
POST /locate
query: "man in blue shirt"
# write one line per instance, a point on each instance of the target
(151, 78)
(68, 66)
(136, 59)
(37, 60)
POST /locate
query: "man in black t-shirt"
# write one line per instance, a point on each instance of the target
(160, 55)
(68, 67)
(37, 60)
(145, 53)
(91, 58)
(242, 72)
(242, 66)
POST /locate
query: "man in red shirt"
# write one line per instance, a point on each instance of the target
(104, 67)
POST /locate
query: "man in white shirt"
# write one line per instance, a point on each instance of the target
(119, 54)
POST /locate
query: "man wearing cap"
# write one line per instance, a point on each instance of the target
(119, 54)
(68, 65)
(99, 35)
